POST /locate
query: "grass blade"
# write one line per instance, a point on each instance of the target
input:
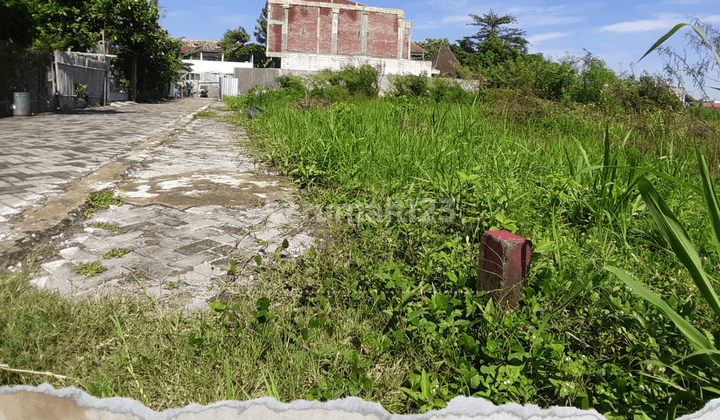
(663, 39)
(710, 200)
(679, 242)
(696, 338)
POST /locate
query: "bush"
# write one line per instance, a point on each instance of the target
(449, 90)
(413, 86)
(595, 83)
(293, 86)
(337, 93)
(363, 79)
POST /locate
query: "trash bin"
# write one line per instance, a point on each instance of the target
(21, 103)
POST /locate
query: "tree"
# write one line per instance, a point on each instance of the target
(130, 26)
(16, 24)
(233, 41)
(261, 28)
(491, 27)
(235, 47)
(433, 44)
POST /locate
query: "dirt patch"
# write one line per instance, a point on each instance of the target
(192, 190)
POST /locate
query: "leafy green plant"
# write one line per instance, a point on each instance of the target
(100, 200)
(704, 363)
(90, 269)
(115, 253)
(410, 85)
(80, 91)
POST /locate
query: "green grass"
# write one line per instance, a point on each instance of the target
(100, 200)
(115, 253)
(386, 309)
(105, 226)
(90, 269)
(206, 114)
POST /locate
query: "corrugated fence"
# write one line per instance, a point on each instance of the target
(75, 70)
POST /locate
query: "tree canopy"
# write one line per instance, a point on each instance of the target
(261, 28)
(131, 27)
(491, 26)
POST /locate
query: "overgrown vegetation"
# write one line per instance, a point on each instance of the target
(387, 310)
(100, 200)
(90, 269)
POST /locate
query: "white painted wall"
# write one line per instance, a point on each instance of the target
(317, 62)
(225, 67)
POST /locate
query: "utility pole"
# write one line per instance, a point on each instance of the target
(107, 72)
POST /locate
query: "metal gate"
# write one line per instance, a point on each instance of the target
(228, 86)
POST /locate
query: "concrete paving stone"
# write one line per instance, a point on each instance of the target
(199, 235)
(233, 230)
(150, 268)
(144, 226)
(29, 196)
(206, 210)
(194, 260)
(223, 249)
(6, 210)
(159, 253)
(91, 282)
(98, 232)
(92, 243)
(271, 234)
(196, 247)
(126, 237)
(78, 256)
(228, 239)
(171, 221)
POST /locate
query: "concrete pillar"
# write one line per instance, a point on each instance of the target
(401, 31)
(409, 32)
(335, 19)
(318, 31)
(364, 31)
(504, 261)
(286, 15)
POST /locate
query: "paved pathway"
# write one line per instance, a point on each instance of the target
(191, 202)
(41, 153)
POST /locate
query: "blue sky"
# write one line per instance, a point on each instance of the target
(618, 32)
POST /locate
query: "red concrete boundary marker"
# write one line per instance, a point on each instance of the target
(504, 261)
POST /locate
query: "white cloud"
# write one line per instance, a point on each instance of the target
(534, 39)
(641, 25)
(553, 20)
(457, 19)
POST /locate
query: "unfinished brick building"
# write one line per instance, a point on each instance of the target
(318, 34)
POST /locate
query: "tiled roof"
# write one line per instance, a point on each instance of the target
(444, 60)
(418, 49)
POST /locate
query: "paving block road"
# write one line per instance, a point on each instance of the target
(192, 199)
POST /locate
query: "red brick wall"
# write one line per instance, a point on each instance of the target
(275, 38)
(302, 29)
(349, 32)
(382, 41)
(345, 2)
(325, 30)
(276, 13)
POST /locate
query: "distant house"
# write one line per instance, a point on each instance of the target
(204, 49)
(417, 52)
(444, 61)
(312, 35)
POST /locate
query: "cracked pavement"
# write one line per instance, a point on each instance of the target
(192, 199)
